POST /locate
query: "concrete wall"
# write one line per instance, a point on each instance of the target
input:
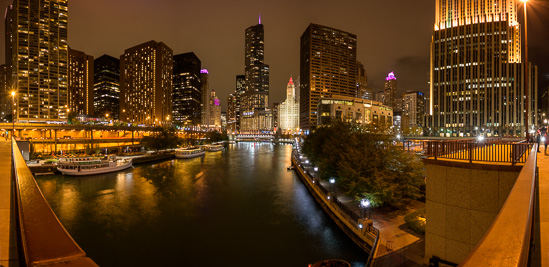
(461, 204)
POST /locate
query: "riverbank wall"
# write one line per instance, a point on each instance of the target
(362, 233)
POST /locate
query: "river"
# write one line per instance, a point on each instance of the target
(238, 207)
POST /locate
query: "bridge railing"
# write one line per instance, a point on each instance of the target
(42, 238)
(478, 151)
(508, 240)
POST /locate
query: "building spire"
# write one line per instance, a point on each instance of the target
(259, 18)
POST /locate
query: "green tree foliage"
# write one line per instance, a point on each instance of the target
(365, 163)
(163, 138)
(216, 136)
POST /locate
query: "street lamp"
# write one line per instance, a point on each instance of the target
(332, 182)
(365, 204)
(13, 114)
(526, 77)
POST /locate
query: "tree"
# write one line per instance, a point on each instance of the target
(163, 138)
(216, 136)
(365, 163)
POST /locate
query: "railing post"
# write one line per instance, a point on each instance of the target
(513, 152)
(470, 145)
(435, 149)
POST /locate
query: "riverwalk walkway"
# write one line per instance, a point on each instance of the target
(398, 245)
(543, 165)
(8, 249)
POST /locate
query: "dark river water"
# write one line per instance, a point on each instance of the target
(238, 207)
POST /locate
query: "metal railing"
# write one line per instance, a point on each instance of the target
(347, 213)
(507, 241)
(41, 237)
(478, 151)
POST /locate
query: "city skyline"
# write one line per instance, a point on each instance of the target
(385, 42)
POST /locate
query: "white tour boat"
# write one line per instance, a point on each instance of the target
(189, 153)
(92, 165)
(214, 148)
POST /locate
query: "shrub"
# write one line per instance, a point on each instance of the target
(416, 221)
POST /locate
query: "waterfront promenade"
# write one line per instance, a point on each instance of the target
(543, 165)
(8, 249)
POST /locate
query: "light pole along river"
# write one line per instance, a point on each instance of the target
(238, 207)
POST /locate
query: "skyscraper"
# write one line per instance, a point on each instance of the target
(80, 83)
(205, 102)
(231, 114)
(289, 110)
(477, 78)
(255, 101)
(146, 83)
(414, 108)
(327, 67)
(186, 89)
(362, 89)
(390, 88)
(239, 91)
(215, 111)
(5, 96)
(39, 58)
(106, 98)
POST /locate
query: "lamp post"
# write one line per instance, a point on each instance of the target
(365, 204)
(526, 77)
(332, 182)
(13, 114)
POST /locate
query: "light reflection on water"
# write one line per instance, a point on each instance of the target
(239, 207)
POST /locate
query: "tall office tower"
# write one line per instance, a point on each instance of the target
(80, 82)
(362, 89)
(5, 93)
(289, 110)
(231, 114)
(215, 111)
(240, 90)
(9, 39)
(205, 102)
(327, 67)
(255, 101)
(223, 121)
(146, 83)
(186, 89)
(380, 96)
(276, 115)
(414, 108)
(39, 58)
(390, 89)
(477, 78)
(106, 97)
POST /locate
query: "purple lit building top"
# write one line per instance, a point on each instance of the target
(204, 71)
(216, 102)
(391, 76)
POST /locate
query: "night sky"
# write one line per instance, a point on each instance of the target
(392, 35)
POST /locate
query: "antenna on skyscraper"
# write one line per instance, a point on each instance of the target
(259, 18)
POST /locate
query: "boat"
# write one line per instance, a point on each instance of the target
(214, 148)
(92, 165)
(189, 153)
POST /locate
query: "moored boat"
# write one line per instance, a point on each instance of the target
(214, 148)
(92, 165)
(189, 153)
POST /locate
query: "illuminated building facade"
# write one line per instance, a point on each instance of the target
(215, 112)
(5, 93)
(38, 58)
(390, 89)
(187, 93)
(106, 98)
(146, 84)
(477, 78)
(356, 110)
(231, 113)
(81, 89)
(240, 90)
(362, 90)
(289, 110)
(328, 67)
(205, 102)
(414, 108)
(255, 115)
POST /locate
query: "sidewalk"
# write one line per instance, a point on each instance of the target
(543, 165)
(8, 249)
(398, 245)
